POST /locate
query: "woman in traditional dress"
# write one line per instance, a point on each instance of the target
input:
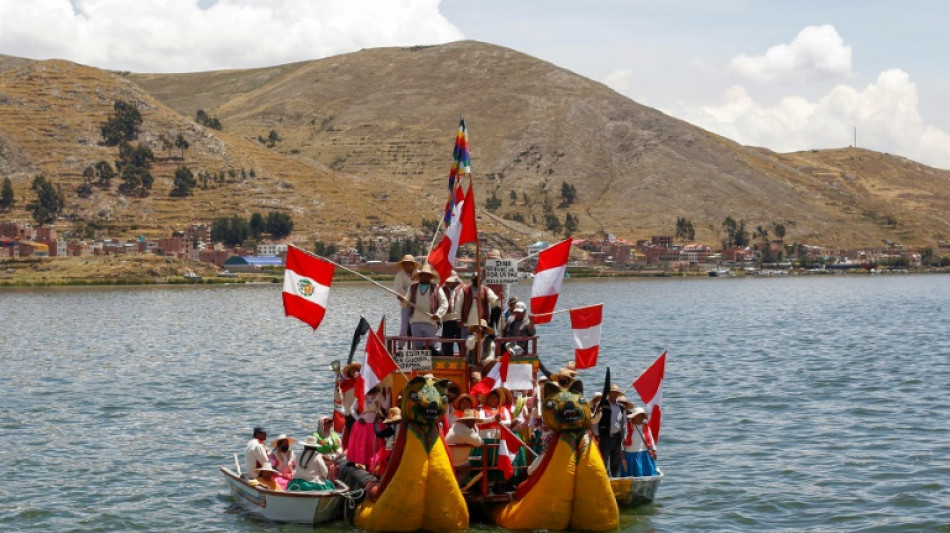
(639, 448)
(283, 459)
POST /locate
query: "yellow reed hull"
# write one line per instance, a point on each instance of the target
(423, 494)
(573, 492)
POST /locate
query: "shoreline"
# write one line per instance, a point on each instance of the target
(148, 279)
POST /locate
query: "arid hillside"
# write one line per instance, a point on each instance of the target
(364, 140)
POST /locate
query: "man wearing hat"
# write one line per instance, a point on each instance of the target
(404, 278)
(487, 335)
(611, 426)
(428, 305)
(255, 455)
(519, 325)
(462, 437)
(454, 289)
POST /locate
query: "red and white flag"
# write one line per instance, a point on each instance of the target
(508, 446)
(460, 231)
(650, 388)
(377, 365)
(552, 263)
(496, 377)
(585, 321)
(306, 286)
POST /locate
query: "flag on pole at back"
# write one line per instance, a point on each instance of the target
(361, 330)
(461, 164)
(496, 377)
(650, 388)
(461, 231)
(306, 286)
(552, 263)
(376, 366)
(585, 321)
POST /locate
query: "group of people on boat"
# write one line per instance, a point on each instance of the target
(465, 311)
(281, 469)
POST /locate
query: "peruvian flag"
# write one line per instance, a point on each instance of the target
(508, 446)
(650, 388)
(552, 263)
(496, 377)
(585, 321)
(377, 365)
(460, 231)
(306, 286)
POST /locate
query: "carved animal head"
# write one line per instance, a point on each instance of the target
(423, 400)
(565, 408)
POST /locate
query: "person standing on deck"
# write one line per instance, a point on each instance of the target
(428, 304)
(639, 447)
(613, 421)
(452, 328)
(494, 318)
(404, 278)
(478, 301)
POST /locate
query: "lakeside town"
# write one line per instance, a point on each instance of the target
(607, 255)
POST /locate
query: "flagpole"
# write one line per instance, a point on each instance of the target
(515, 435)
(351, 271)
(481, 283)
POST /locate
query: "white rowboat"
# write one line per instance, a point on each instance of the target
(290, 507)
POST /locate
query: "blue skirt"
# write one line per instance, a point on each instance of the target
(639, 464)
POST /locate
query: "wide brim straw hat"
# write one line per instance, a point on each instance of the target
(283, 436)
(484, 325)
(504, 395)
(626, 403)
(464, 396)
(470, 416)
(454, 278)
(310, 442)
(395, 415)
(427, 269)
(267, 467)
(638, 411)
(408, 258)
(351, 366)
(614, 388)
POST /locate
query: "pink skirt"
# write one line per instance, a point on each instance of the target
(362, 444)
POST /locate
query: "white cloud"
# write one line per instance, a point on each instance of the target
(817, 53)
(884, 112)
(193, 35)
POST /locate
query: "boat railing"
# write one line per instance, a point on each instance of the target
(487, 462)
(394, 343)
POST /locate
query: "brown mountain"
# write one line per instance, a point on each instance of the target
(370, 134)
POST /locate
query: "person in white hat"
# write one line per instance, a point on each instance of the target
(266, 478)
(428, 305)
(463, 436)
(312, 471)
(519, 325)
(283, 458)
(639, 446)
(404, 278)
(452, 325)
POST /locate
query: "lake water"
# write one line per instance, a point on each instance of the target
(790, 404)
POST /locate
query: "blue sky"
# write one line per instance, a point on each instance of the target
(780, 74)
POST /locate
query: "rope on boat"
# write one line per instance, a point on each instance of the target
(353, 498)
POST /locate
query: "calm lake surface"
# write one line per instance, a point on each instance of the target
(790, 404)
